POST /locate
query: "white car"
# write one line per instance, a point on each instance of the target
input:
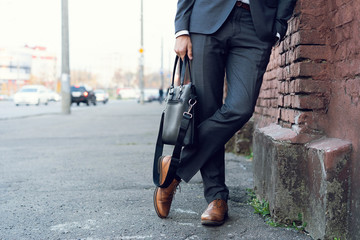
(128, 93)
(53, 96)
(31, 94)
(150, 94)
(101, 95)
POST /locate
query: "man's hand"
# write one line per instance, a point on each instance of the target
(183, 46)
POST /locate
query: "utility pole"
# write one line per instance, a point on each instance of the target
(141, 60)
(65, 66)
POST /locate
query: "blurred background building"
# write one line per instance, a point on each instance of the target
(20, 66)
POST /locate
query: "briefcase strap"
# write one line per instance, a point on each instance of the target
(175, 158)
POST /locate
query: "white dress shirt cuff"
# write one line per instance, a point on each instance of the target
(182, 32)
(245, 1)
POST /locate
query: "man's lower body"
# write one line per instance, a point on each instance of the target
(236, 52)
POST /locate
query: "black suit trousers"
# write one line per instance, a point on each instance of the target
(235, 51)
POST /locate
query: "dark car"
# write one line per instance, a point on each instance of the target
(82, 94)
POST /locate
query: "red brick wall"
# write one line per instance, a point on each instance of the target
(343, 114)
(313, 80)
(295, 83)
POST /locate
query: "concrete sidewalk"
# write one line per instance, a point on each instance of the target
(89, 176)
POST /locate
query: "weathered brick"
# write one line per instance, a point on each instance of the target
(274, 102)
(258, 109)
(274, 83)
(261, 95)
(288, 115)
(285, 124)
(281, 87)
(343, 16)
(342, 51)
(311, 36)
(309, 21)
(309, 102)
(292, 87)
(352, 90)
(308, 85)
(287, 101)
(305, 69)
(339, 3)
(293, 25)
(274, 61)
(266, 93)
(280, 100)
(272, 112)
(286, 87)
(312, 52)
(260, 102)
(272, 74)
(304, 118)
(311, 5)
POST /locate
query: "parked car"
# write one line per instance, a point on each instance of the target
(53, 96)
(82, 94)
(4, 97)
(150, 94)
(128, 93)
(31, 95)
(101, 95)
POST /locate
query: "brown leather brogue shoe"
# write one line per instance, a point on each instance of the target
(215, 214)
(163, 196)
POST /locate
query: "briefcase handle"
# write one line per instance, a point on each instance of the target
(183, 66)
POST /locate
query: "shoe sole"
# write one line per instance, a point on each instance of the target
(211, 223)
(214, 223)
(155, 205)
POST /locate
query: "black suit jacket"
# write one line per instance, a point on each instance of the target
(207, 16)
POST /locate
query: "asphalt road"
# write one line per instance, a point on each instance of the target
(88, 175)
(8, 110)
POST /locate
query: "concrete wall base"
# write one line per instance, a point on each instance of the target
(303, 175)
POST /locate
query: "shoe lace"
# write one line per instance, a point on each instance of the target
(174, 191)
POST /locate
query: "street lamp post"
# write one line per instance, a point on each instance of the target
(65, 66)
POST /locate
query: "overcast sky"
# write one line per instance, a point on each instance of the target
(103, 33)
